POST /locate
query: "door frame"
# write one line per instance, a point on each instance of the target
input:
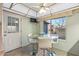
(5, 15)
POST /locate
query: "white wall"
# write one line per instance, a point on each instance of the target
(72, 33)
(28, 27)
(41, 26)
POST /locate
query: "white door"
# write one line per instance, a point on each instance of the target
(11, 33)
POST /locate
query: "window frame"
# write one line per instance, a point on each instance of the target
(11, 24)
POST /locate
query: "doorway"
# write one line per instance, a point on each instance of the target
(11, 31)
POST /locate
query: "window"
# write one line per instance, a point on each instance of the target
(13, 24)
(57, 26)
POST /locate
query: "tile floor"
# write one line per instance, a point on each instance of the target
(27, 51)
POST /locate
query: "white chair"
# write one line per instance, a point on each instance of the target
(44, 44)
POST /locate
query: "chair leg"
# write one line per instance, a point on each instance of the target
(43, 52)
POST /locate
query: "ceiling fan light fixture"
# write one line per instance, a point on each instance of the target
(42, 10)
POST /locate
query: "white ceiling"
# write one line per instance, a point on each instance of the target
(36, 6)
(32, 9)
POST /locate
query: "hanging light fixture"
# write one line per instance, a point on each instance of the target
(43, 9)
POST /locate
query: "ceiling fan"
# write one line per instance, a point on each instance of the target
(43, 8)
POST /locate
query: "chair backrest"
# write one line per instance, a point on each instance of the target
(44, 43)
